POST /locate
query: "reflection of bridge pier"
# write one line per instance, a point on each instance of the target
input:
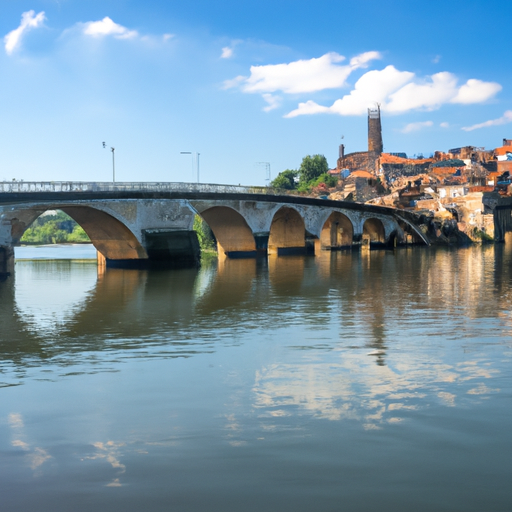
(141, 225)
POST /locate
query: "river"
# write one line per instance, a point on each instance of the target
(346, 381)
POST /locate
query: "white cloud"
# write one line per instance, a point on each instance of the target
(106, 27)
(309, 108)
(303, 76)
(401, 91)
(504, 119)
(361, 61)
(396, 91)
(29, 20)
(234, 82)
(414, 127)
(273, 102)
(227, 52)
(444, 125)
(428, 94)
(436, 59)
(373, 86)
(476, 91)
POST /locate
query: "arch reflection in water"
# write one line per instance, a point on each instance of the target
(48, 294)
(283, 368)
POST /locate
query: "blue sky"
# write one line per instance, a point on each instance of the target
(242, 83)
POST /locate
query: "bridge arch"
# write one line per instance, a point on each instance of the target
(287, 232)
(111, 237)
(410, 235)
(337, 232)
(233, 234)
(374, 231)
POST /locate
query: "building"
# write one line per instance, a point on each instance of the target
(365, 160)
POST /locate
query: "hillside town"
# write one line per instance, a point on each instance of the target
(447, 187)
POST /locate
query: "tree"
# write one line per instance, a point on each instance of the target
(285, 180)
(54, 228)
(312, 167)
(330, 181)
(205, 235)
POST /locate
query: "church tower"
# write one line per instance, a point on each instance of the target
(375, 146)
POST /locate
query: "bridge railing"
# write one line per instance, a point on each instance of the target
(82, 186)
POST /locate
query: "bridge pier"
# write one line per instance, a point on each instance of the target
(6, 261)
(169, 247)
(6, 248)
(261, 240)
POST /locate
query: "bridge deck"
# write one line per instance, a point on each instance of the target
(20, 191)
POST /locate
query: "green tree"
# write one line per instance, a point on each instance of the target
(311, 168)
(55, 228)
(205, 235)
(285, 180)
(328, 179)
(78, 235)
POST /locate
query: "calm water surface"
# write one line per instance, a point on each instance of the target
(342, 382)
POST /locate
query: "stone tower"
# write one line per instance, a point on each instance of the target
(374, 132)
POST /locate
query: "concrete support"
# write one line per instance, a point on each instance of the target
(6, 261)
(261, 240)
(6, 248)
(166, 247)
(502, 223)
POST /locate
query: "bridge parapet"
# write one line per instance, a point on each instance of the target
(84, 186)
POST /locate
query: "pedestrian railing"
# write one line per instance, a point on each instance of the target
(82, 186)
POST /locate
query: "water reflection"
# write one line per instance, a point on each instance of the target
(356, 300)
(177, 381)
(49, 294)
(35, 456)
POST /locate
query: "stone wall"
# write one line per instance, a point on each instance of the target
(354, 161)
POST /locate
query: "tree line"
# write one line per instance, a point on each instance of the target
(313, 172)
(54, 228)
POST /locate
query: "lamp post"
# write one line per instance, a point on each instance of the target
(113, 162)
(267, 168)
(196, 155)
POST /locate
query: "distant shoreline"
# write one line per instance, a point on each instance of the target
(37, 244)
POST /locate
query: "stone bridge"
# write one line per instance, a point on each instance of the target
(138, 224)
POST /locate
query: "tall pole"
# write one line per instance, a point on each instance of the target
(113, 162)
(267, 168)
(188, 153)
(113, 166)
(195, 155)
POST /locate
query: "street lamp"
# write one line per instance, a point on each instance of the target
(113, 162)
(196, 155)
(267, 168)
